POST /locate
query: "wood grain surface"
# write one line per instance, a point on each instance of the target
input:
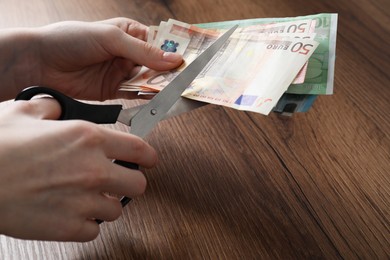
(238, 185)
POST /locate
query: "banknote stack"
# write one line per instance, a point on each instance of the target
(272, 64)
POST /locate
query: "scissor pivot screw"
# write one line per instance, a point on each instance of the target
(153, 111)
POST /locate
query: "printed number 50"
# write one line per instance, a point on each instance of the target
(301, 48)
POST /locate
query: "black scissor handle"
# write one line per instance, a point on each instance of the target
(73, 109)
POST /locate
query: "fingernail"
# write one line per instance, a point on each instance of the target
(172, 57)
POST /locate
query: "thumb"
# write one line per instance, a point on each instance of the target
(39, 108)
(143, 53)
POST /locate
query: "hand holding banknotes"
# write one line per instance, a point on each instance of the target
(85, 60)
(54, 175)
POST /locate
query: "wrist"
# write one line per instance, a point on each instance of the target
(19, 60)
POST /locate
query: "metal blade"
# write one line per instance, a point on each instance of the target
(181, 106)
(147, 118)
(127, 114)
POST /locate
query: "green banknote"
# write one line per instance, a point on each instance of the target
(320, 71)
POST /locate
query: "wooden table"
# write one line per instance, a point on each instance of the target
(238, 185)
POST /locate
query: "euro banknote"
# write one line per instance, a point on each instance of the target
(297, 29)
(251, 72)
(319, 77)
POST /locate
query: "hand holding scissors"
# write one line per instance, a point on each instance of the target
(141, 119)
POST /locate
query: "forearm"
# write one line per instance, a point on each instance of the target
(19, 62)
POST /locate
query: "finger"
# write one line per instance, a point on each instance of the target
(104, 207)
(131, 27)
(123, 181)
(142, 53)
(89, 231)
(40, 108)
(127, 147)
(127, 67)
(133, 68)
(152, 57)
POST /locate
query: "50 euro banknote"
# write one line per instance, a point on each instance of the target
(158, 35)
(319, 78)
(250, 72)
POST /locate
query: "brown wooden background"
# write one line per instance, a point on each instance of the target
(237, 185)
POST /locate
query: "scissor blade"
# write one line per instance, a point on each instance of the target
(181, 106)
(144, 121)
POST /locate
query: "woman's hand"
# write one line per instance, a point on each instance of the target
(54, 175)
(86, 60)
(90, 60)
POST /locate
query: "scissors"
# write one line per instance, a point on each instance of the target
(144, 118)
